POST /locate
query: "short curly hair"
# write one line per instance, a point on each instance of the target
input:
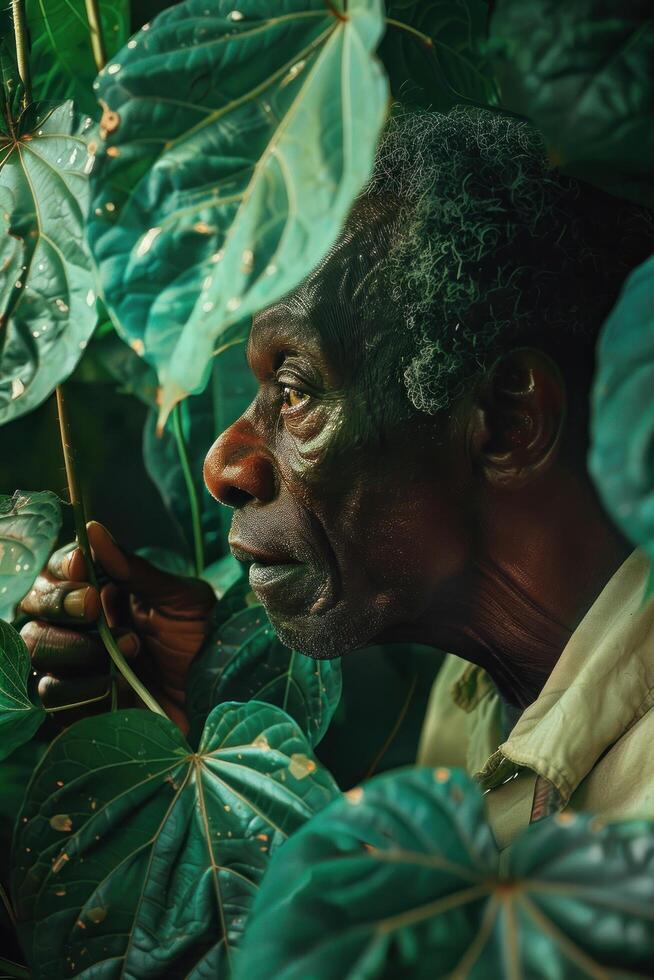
(492, 247)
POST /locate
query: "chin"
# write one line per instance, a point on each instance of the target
(325, 635)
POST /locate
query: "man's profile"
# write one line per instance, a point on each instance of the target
(413, 467)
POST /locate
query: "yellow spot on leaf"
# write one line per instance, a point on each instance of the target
(301, 765)
(354, 796)
(261, 742)
(97, 915)
(441, 775)
(61, 822)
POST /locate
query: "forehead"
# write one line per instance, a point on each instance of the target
(336, 313)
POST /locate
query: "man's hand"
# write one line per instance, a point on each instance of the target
(159, 620)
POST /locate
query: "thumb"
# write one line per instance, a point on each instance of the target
(151, 584)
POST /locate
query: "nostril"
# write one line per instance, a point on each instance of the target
(235, 497)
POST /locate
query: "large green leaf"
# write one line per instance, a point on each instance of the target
(401, 878)
(136, 857)
(20, 716)
(29, 526)
(621, 458)
(47, 299)
(243, 660)
(454, 69)
(236, 143)
(583, 73)
(61, 56)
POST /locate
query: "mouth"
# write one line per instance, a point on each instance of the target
(279, 581)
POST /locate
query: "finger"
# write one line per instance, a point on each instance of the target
(49, 598)
(56, 692)
(68, 563)
(186, 596)
(57, 650)
(116, 604)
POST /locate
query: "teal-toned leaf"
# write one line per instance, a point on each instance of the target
(61, 56)
(455, 69)
(223, 574)
(621, 458)
(29, 526)
(123, 365)
(20, 716)
(15, 773)
(11, 87)
(401, 879)
(47, 298)
(243, 660)
(583, 73)
(137, 857)
(239, 141)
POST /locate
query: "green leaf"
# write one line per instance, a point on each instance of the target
(243, 660)
(621, 459)
(224, 191)
(11, 87)
(123, 365)
(47, 299)
(454, 69)
(61, 57)
(29, 526)
(582, 72)
(15, 773)
(20, 716)
(135, 856)
(401, 878)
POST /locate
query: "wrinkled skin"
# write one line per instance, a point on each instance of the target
(475, 531)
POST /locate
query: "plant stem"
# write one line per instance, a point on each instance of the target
(97, 37)
(77, 704)
(196, 523)
(85, 547)
(10, 969)
(423, 38)
(22, 52)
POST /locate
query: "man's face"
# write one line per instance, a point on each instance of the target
(347, 504)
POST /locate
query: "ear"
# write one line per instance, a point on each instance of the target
(515, 426)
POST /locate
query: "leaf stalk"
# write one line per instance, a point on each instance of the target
(22, 49)
(96, 33)
(85, 547)
(196, 522)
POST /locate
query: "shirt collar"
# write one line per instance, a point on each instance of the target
(601, 685)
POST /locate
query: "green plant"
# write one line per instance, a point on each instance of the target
(147, 213)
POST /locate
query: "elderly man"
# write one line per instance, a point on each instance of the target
(413, 469)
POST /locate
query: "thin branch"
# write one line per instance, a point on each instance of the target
(196, 522)
(22, 49)
(97, 36)
(85, 547)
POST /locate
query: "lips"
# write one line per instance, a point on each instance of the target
(280, 582)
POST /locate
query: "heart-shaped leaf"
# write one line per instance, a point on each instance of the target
(29, 526)
(582, 72)
(454, 69)
(47, 299)
(243, 660)
(20, 716)
(236, 141)
(621, 459)
(61, 55)
(401, 878)
(137, 857)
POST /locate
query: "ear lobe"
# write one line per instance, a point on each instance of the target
(517, 423)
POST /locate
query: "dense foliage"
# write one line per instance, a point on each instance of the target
(147, 213)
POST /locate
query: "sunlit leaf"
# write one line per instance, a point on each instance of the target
(20, 716)
(244, 660)
(401, 878)
(61, 56)
(621, 458)
(29, 526)
(236, 141)
(583, 73)
(136, 857)
(454, 69)
(47, 298)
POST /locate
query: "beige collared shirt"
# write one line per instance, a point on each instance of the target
(590, 733)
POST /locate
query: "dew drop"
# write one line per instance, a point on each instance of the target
(114, 69)
(138, 346)
(271, 269)
(73, 157)
(145, 244)
(96, 84)
(110, 206)
(146, 27)
(233, 304)
(247, 260)
(218, 256)
(293, 72)
(235, 15)
(207, 307)
(18, 284)
(90, 298)
(82, 344)
(17, 388)
(61, 305)
(132, 43)
(207, 282)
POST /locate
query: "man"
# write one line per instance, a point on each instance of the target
(413, 469)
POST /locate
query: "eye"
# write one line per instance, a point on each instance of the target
(293, 397)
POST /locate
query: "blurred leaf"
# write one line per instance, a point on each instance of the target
(15, 773)
(214, 200)
(455, 69)
(243, 660)
(401, 878)
(123, 365)
(167, 560)
(47, 299)
(583, 73)
(29, 526)
(621, 458)
(61, 57)
(223, 574)
(136, 857)
(11, 87)
(20, 717)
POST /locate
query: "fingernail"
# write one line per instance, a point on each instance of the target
(75, 602)
(128, 645)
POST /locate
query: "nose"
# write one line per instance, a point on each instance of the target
(238, 469)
